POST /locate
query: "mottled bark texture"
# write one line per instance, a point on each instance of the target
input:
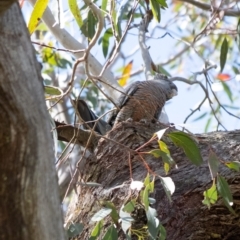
(5, 4)
(29, 198)
(185, 217)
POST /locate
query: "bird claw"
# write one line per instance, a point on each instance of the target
(143, 120)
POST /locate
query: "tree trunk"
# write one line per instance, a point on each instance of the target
(185, 217)
(29, 197)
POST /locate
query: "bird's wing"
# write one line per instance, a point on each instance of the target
(122, 100)
(90, 117)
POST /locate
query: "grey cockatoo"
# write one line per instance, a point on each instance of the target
(141, 100)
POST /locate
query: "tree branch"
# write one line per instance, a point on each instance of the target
(69, 42)
(144, 49)
(69, 133)
(207, 7)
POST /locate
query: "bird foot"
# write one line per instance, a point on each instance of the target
(143, 120)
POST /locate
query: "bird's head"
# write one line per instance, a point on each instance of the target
(173, 90)
(169, 86)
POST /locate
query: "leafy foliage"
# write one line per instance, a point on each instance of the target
(36, 15)
(223, 55)
(189, 146)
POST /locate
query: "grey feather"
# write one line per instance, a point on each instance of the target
(143, 100)
(89, 117)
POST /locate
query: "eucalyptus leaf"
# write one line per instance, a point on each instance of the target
(101, 214)
(225, 192)
(74, 229)
(155, 10)
(210, 196)
(75, 12)
(223, 53)
(96, 231)
(213, 163)
(235, 165)
(189, 146)
(111, 234)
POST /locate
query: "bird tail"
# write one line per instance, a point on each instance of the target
(89, 118)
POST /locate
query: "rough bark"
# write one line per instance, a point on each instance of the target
(29, 197)
(5, 4)
(185, 217)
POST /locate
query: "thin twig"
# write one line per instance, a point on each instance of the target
(181, 79)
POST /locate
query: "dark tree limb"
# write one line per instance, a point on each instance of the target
(85, 138)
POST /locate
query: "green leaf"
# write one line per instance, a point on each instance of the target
(145, 197)
(114, 214)
(227, 91)
(96, 231)
(74, 229)
(116, 25)
(189, 146)
(155, 10)
(36, 15)
(207, 124)
(235, 165)
(156, 153)
(236, 70)
(63, 63)
(200, 117)
(147, 180)
(105, 41)
(101, 214)
(210, 196)
(111, 234)
(126, 220)
(123, 9)
(163, 147)
(238, 31)
(153, 222)
(163, 232)
(162, 3)
(213, 163)
(75, 12)
(51, 90)
(89, 26)
(129, 207)
(151, 186)
(168, 186)
(163, 70)
(166, 157)
(104, 5)
(225, 192)
(166, 168)
(223, 53)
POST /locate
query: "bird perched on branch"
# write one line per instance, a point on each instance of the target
(142, 100)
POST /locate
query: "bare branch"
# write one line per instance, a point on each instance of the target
(196, 109)
(181, 79)
(144, 49)
(68, 133)
(204, 6)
